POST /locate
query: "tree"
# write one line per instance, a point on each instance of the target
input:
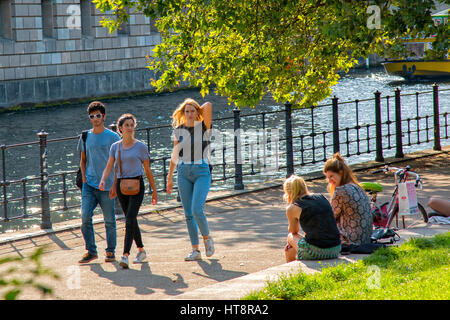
(293, 50)
(17, 274)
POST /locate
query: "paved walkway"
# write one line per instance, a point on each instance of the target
(249, 229)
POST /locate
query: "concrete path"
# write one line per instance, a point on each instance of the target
(249, 230)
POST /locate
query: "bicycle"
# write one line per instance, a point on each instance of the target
(384, 214)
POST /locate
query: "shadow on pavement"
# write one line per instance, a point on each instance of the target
(143, 280)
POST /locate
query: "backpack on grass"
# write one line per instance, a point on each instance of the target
(384, 236)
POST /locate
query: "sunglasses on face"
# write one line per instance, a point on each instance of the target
(93, 116)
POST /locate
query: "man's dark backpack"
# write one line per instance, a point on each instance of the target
(79, 179)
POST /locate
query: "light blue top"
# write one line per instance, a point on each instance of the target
(98, 146)
(131, 159)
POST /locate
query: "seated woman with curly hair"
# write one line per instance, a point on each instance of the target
(350, 203)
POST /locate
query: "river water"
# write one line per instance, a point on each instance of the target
(155, 110)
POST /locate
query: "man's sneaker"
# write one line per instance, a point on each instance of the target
(88, 257)
(194, 255)
(124, 262)
(209, 246)
(110, 257)
(141, 256)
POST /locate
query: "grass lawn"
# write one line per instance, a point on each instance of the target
(418, 269)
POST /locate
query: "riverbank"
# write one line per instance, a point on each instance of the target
(27, 106)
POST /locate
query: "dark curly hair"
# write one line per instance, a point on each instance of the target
(123, 118)
(96, 106)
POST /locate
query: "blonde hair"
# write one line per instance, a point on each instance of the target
(337, 165)
(178, 115)
(294, 187)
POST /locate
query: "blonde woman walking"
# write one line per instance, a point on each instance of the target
(190, 155)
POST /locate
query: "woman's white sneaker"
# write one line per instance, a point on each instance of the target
(194, 255)
(124, 262)
(141, 256)
(209, 246)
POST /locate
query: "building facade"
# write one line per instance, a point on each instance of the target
(53, 50)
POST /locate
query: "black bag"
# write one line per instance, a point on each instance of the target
(79, 178)
(366, 248)
(384, 235)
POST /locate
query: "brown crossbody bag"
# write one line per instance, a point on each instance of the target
(128, 187)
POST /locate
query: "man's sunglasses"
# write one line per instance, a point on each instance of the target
(97, 115)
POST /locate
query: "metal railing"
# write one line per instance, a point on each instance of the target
(309, 136)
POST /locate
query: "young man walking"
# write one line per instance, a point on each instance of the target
(93, 161)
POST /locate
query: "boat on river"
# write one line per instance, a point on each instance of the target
(416, 66)
(410, 69)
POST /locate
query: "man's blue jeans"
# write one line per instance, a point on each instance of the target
(90, 198)
(194, 181)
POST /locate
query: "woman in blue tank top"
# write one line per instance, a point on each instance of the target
(312, 214)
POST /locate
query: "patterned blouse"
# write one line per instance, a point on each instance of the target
(351, 209)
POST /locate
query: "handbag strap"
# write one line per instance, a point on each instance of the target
(120, 161)
(84, 138)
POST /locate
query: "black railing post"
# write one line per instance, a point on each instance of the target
(398, 125)
(46, 222)
(25, 198)
(336, 142)
(289, 147)
(4, 184)
(238, 184)
(437, 127)
(64, 191)
(379, 136)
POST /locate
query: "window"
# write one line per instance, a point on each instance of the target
(153, 27)
(416, 50)
(86, 16)
(48, 24)
(124, 28)
(5, 19)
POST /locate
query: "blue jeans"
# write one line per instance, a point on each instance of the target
(194, 181)
(90, 198)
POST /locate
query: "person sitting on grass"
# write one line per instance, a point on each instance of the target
(350, 203)
(312, 212)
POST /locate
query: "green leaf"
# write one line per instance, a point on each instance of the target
(12, 295)
(292, 50)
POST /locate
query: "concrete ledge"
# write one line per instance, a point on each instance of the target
(51, 90)
(238, 288)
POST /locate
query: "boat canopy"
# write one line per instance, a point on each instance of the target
(440, 17)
